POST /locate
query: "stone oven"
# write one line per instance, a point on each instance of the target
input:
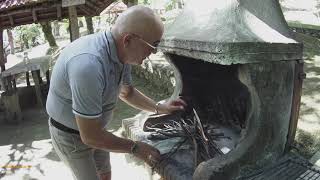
(240, 71)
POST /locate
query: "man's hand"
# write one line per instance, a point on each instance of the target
(147, 153)
(171, 106)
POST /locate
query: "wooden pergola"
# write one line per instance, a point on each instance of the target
(20, 12)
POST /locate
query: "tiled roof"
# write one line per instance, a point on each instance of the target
(8, 4)
(20, 12)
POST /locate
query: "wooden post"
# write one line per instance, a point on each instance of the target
(39, 76)
(10, 99)
(28, 79)
(14, 84)
(37, 88)
(48, 77)
(2, 54)
(13, 112)
(299, 75)
(10, 39)
(73, 21)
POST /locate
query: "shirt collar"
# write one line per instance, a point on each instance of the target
(112, 47)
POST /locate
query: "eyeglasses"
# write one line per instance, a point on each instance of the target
(153, 47)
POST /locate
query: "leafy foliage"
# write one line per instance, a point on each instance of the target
(28, 34)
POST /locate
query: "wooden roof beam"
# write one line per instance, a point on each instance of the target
(92, 5)
(17, 12)
(20, 11)
(87, 11)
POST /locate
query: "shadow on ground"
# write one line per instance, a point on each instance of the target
(26, 151)
(308, 135)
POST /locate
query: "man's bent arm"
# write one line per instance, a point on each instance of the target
(93, 135)
(135, 98)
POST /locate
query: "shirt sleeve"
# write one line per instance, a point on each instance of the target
(85, 75)
(127, 78)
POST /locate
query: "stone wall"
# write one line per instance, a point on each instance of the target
(158, 72)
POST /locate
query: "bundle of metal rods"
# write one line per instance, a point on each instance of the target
(200, 136)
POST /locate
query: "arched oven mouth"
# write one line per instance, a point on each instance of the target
(216, 112)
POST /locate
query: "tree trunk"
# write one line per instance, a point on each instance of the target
(25, 41)
(2, 58)
(130, 3)
(47, 31)
(89, 25)
(73, 23)
(56, 28)
(180, 4)
(10, 39)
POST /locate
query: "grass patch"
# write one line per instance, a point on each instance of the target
(307, 143)
(311, 45)
(298, 24)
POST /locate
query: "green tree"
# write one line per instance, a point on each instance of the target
(56, 28)
(10, 39)
(28, 34)
(145, 2)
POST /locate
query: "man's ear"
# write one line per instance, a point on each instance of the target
(126, 40)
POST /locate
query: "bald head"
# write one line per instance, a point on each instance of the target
(139, 20)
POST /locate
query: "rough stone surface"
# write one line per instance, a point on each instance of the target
(265, 136)
(232, 32)
(158, 72)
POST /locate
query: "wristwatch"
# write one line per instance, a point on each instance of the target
(134, 148)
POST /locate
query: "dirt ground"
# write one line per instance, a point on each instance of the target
(308, 133)
(26, 152)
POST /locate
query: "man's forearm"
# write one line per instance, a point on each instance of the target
(93, 135)
(138, 100)
(111, 143)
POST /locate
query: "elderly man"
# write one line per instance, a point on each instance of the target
(86, 81)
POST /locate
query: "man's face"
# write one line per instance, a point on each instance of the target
(140, 48)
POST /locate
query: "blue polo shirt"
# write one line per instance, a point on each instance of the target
(86, 80)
